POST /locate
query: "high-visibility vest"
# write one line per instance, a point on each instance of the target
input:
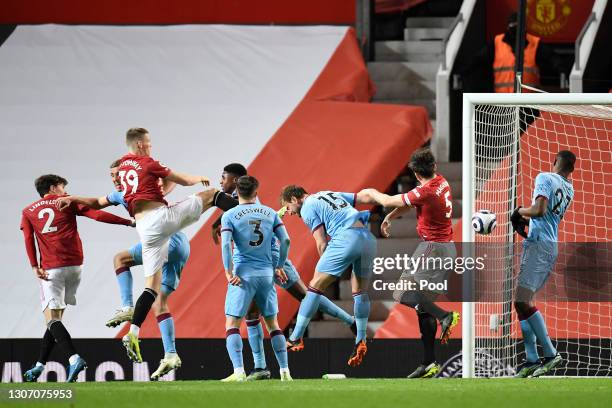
(503, 65)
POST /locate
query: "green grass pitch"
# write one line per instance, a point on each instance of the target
(353, 393)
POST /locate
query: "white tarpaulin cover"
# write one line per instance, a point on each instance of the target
(210, 95)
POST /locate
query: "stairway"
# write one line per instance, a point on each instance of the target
(403, 239)
(405, 71)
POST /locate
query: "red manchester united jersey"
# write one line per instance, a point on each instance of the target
(434, 208)
(56, 232)
(140, 179)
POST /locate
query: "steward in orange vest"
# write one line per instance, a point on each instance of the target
(503, 64)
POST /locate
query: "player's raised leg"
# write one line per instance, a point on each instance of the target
(298, 289)
(122, 263)
(308, 307)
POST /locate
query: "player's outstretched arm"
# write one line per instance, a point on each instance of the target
(373, 196)
(103, 216)
(96, 203)
(186, 179)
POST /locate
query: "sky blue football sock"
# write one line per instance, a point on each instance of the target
(124, 279)
(166, 328)
(529, 338)
(233, 343)
(279, 345)
(538, 326)
(308, 307)
(256, 336)
(330, 308)
(362, 311)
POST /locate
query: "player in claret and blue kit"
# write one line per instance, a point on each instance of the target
(552, 195)
(352, 245)
(178, 254)
(294, 284)
(252, 227)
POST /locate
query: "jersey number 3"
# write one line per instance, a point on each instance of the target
(257, 231)
(129, 178)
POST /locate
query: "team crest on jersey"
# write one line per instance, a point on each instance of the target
(547, 17)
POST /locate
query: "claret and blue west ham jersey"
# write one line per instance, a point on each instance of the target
(252, 227)
(559, 192)
(335, 211)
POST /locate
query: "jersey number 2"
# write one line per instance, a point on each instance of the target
(257, 231)
(130, 178)
(50, 217)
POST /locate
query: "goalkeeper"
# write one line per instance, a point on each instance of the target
(552, 195)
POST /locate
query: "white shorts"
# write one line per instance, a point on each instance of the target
(60, 289)
(157, 226)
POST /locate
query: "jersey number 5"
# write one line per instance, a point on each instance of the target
(257, 231)
(50, 217)
(449, 205)
(130, 178)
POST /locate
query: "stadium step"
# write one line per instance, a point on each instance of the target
(418, 51)
(402, 71)
(424, 33)
(404, 89)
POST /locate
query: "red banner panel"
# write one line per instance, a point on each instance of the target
(555, 21)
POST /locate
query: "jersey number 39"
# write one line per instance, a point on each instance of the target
(129, 178)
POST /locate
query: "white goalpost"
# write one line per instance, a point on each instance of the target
(507, 140)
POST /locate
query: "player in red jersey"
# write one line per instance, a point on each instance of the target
(156, 221)
(59, 269)
(433, 202)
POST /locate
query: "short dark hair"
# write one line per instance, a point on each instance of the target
(423, 163)
(247, 186)
(566, 160)
(291, 191)
(236, 169)
(43, 183)
(115, 163)
(134, 135)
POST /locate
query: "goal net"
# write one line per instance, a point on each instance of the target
(508, 140)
